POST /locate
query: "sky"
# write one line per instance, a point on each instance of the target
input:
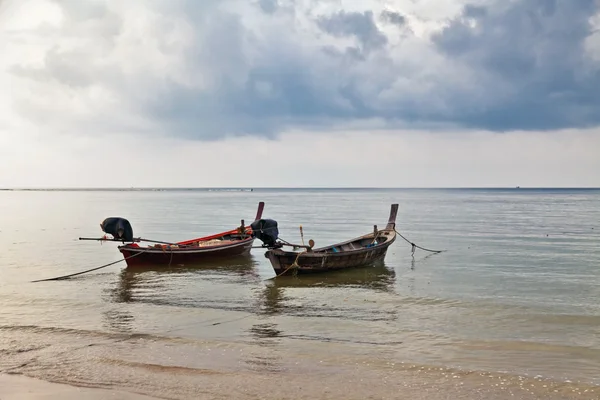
(299, 93)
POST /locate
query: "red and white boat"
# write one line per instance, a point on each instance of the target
(235, 242)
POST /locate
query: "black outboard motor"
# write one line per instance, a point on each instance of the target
(266, 231)
(120, 228)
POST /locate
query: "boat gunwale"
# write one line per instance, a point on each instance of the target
(321, 252)
(191, 249)
(185, 250)
(390, 228)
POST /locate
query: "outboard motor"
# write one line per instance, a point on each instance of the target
(266, 231)
(120, 228)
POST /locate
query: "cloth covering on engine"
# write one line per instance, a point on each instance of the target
(120, 228)
(266, 231)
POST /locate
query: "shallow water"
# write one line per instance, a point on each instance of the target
(515, 293)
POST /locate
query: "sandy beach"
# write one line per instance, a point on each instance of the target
(361, 383)
(17, 387)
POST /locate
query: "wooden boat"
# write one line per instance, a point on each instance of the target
(235, 242)
(360, 251)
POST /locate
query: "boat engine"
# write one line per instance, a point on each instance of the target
(266, 231)
(118, 227)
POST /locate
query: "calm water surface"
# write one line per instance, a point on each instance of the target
(516, 291)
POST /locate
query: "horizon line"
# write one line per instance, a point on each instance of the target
(248, 188)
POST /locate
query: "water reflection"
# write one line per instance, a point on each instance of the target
(118, 320)
(272, 297)
(414, 262)
(377, 276)
(264, 364)
(265, 333)
(240, 265)
(158, 280)
(267, 336)
(271, 300)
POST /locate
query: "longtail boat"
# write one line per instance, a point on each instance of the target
(235, 242)
(360, 251)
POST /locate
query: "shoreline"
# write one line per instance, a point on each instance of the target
(56, 363)
(318, 382)
(21, 387)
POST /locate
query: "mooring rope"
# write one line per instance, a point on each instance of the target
(58, 278)
(294, 265)
(415, 246)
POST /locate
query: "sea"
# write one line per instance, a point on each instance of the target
(509, 309)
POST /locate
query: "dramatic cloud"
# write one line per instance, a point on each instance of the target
(299, 93)
(207, 69)
(393, 18)
(353, 24)
(537, 70)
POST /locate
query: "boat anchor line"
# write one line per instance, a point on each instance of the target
(414, 246)
(58, 278)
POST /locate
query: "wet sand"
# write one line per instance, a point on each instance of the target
(323, 382)
(180, 368)
(15, 387)
(407, 385)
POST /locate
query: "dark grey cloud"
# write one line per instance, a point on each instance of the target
(535, 50)
(394, 18)
(360, 25)
(519, 65)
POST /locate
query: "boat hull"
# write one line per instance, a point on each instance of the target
(144, 256)
(310, 263)
(233, 243)
(360, 251)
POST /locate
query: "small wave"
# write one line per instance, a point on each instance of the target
(161, 367)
